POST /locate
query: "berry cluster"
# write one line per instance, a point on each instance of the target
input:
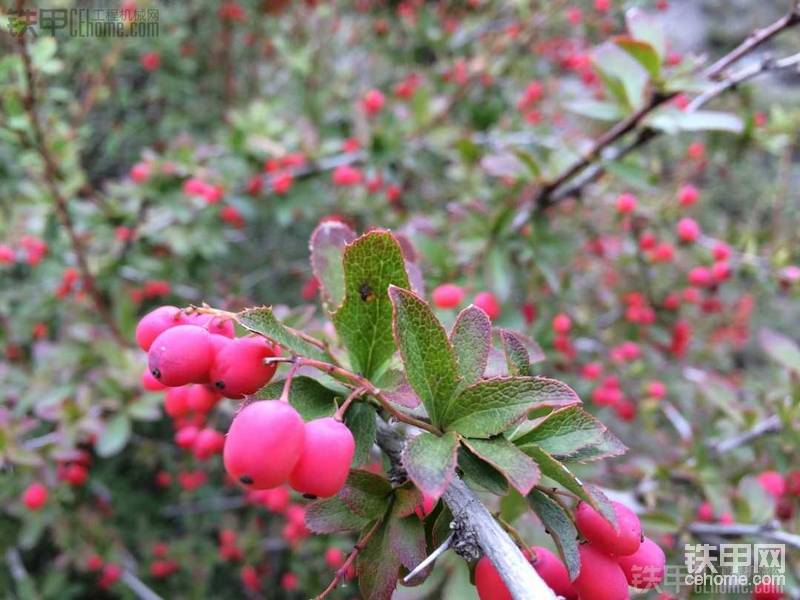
(611, 560)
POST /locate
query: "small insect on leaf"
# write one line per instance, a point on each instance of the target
(367, 295)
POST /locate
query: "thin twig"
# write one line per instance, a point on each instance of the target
(356, 393)
(429, 559)
(138, 587)
(769, 425)
(768, 531)
(341, 572)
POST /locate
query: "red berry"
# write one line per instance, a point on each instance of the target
(250, 578)
(562, 323)
(644, 568)
(688, 230)
(334, 558)
(208, 443)
(373, 102)
(721, 251)
(768, 590)
(175, 402)
(156, 322)
(94, 563)
(185, 436)
(325, 462)
(239, 368)
(213, 324)
(264, 444)
(180, 355)
(601, 578)
(201, 398)
(656, 389)
(688, 195)
(626, 203)
(447, 295)
(553, 572)
(110, 575)
(150, 383)
(76, 474)
(488, 582)
(602, 535)
(773, 482)
(488, 303)
(35, 496)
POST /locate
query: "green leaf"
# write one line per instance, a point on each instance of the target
(780, 348)
(530, 161)
(407, 540)
(430, 461)
(648, 28)
(331, 515)
(478, 473)
(263, 322)
(595, 109)
(491, 406)
(310, 398)
(624, 77)
(114, 437)
(360, 419)
(471, 338)
(643, 52)
(365, 494)
(428, 356)
(561, 528)
(517, 467)
(559, 473)
(327, 246)
(571, 433)
(377, 566)
(406, 499)
(146, 408)
(517, 358)
(364, 320)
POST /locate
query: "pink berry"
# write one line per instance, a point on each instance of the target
(185, 436)
(487, 302)
(448, 295)
(553, 572)
(325, 462)
(700, 277)
(201, 398)
(110, 575)
(688, 230)
(593, 526)
(213, 324)
(688, 195)
(239, 368)
(208, 442)
(768, 590)
(156, 322)
(626, 203)
(373, 102)
(150, 383)
(175, 402)
(644, 568)
(264, 444)
(35, 496)
(562, 323)
(334, 558)
(488, 582)
(180, 355)
(773, 483)
(656, 389)
(721, 251)
(600, 578)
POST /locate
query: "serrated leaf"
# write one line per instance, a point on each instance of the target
(263, 322)
(491, 406)
(331, 515)
(643, 52)
(595, 109)
(471, 338)
(648, 28)
(365, 494)
(309, 398)
(364, 320)
(517, 467)
(430, 462)
(478, 473)
(624, 77)
(780, 348)
(571, 433)
(559, 473)
(377, 566)
(360, 420)
(115, 435)
(517, 358)
(327, 246)
(560, 527)
(428, 356)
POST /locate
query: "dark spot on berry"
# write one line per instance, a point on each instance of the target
(309, 496)
(220, 385)
(155, 373)
(366, 293)
(246, 479)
